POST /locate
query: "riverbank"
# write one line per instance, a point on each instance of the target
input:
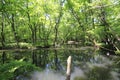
(24, 49)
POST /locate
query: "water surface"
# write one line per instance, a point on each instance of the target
(86, 64)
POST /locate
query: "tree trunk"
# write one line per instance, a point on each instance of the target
(14, 31)
(109, 38)
(56, 29)
(2, 32)
(30, 25)
(68, 73)
(78, 19)
(57, 23)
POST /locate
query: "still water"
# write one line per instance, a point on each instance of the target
(86, 64)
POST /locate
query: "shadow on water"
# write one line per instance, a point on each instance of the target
(86, 64)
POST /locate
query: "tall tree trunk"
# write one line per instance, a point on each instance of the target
(109, 38)
(13, 29)
(57, 23)
(77, 18)
(2, 26)
(32, 28)
(35, 33)
(30, 25)
(2, 32)
(56, 29)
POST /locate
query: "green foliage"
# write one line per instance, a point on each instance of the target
(80, 78)
(9, 71)
(117, 51)
(25, 45)
(99, 73)
(37, 22)
(22, 45)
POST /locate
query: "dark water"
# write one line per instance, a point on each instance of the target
(86, 64)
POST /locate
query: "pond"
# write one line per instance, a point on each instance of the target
(87, 64)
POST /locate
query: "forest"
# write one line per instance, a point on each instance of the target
(57, 24)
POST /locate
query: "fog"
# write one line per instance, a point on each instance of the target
(98, 61)
(47, 76)
(50, 75)
(57, 76)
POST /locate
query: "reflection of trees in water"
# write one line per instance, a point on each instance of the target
(58, 65)
(99, 73)
(4, 56)
(40, 58)
(98, 68)
(96, 73)
(34, 58)
(56, 60)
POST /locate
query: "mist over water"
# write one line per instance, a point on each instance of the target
(99, 63)
(77, 73)
(50, 75)
(47, 76)
(57, 76)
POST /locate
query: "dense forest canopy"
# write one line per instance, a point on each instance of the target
(55, 22)
(41, 34)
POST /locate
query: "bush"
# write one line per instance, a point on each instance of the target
(10, 71)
